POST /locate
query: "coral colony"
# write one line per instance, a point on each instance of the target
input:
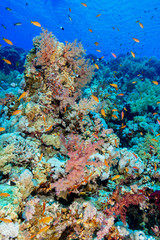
(79, 145)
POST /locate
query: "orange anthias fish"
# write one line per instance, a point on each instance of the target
(22, 96)
(103, 113)
(84, 4)
(122, 115)
(120, 94)
(8, 41)
(7, 61)
(90, 30)
(95, 98)
(41, 157)
(133, 54)
(43, 229)
(115, 177)
(98, 50)
(114, 116)
(135, 155)
(6, 220)
(113, 85)
(16, 112)
(4, 194)
(49, 128)
(155, 82)
(98, 15)
(46, 220)
(37, 24)
(114, 55)
(158, 121)
(2, 129)
(136, 40)
(96, 65)
(106, 163)
(155, 140)
(141, 25)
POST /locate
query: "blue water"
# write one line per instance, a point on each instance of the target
(53, 14)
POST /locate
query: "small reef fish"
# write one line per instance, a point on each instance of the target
(155, 167)
(96, 65)
(4, 194)
(135, 168)
(22, 96)
(43, 229)
(40, 158)
(135, 155)
(103, 113)
(136, 40)
(154, 140)
(125, 109)
(114, 116)
(133, 54)
(152, 147)
(155, 82)
(8, 9)
(115, 177)
(158, 102)
(4, 26)
(114, 55)
(98, 15)
(90, 30)
(106, 163)
(113, 85)
(46, 220)
(7, 61)
(70, 19)
(84, 4)
(7, 41)
(134, 82)
(70, 9)
(17, 24)
(49, 128)
(120, 94)
(114, 110)
(158, 121)
(2, 129)
(122, 115)
(6, 220)
(16, 112)
(98, 50)
(123, 126)
(95, 135)
(158, 134)
(96, 43)
(115, 141)
(95, 98)
(141, 25)
(37, 24)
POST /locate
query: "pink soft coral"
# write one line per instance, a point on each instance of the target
(77, 172)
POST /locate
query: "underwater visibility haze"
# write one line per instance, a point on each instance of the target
(79, 120)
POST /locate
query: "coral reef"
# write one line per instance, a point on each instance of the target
(79, 148)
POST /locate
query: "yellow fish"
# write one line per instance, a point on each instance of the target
(103, 113)
(7, 61)
(133, 54)
(115, 177)
(95, 98)
(6, 220)
(22, 96)
(46, 220)
(113, 85)
(96, 65)
(37, 24)
(84, 4)
(141, 25)
(155, 82)
(16, 112)
(4, 194)
(136, 40)
(8, 41)
(2, 129)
